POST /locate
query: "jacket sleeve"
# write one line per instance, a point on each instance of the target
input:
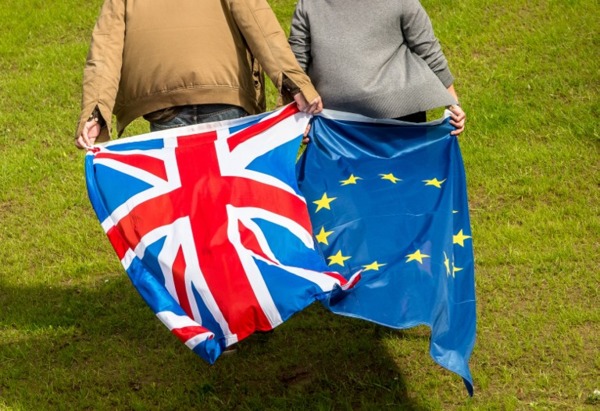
(268, 43)
(299, 39)
(420, 38)
(102, 71)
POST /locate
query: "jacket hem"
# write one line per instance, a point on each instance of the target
(182, 97)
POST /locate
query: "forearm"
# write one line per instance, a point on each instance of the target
(299, 39)
(268, 43)
(452, 91)
(102, 71)
(420, 38)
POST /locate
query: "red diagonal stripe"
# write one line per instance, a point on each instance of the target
(250, 241)
(186, 333)
(179, 280)
(117, 241)
(150, 164)
(260, 127)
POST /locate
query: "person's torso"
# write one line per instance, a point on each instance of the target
(360, 61)
(188, 45)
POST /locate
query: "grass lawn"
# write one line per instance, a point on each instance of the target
(75, 335)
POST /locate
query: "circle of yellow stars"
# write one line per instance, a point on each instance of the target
(338, 258)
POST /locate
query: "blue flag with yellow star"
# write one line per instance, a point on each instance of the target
(389, 198)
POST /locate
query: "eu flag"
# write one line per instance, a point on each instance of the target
(389, 198)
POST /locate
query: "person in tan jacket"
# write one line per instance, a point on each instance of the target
(184, 63)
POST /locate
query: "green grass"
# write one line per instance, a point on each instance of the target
(74, 334)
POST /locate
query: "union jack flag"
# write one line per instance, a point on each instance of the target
(211, 227)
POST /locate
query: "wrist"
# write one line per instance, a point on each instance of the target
(97, 117)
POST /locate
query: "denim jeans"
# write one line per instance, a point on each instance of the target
(202, 113)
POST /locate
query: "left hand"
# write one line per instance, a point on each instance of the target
(305, 138)
(457, 119)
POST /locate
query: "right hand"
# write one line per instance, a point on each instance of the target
(314, 107)
(89, 134)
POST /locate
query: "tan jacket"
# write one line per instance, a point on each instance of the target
(150, 55)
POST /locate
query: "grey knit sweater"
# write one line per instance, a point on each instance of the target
(379, 58)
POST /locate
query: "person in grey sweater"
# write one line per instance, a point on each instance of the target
(378, 58)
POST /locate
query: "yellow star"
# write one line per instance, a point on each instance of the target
(455, 269)
(390, 177)
(351, 180)
(373, 266)
(322, 236)
(416, 256)
(324, 202)
(338, 259)
(447, 264)
(460, 238)
(435, 182)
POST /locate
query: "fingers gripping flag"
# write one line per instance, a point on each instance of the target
(210, 226)
(390, 198)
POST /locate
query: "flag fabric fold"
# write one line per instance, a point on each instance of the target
(224, 234)
(211, 228)
(389, 198)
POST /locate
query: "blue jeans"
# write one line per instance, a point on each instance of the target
(201, 113)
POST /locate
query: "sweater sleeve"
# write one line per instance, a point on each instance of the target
(268, 43)
(299, 39)
(102, 71)
(420, 38)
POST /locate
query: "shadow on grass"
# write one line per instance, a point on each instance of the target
(101, 347)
